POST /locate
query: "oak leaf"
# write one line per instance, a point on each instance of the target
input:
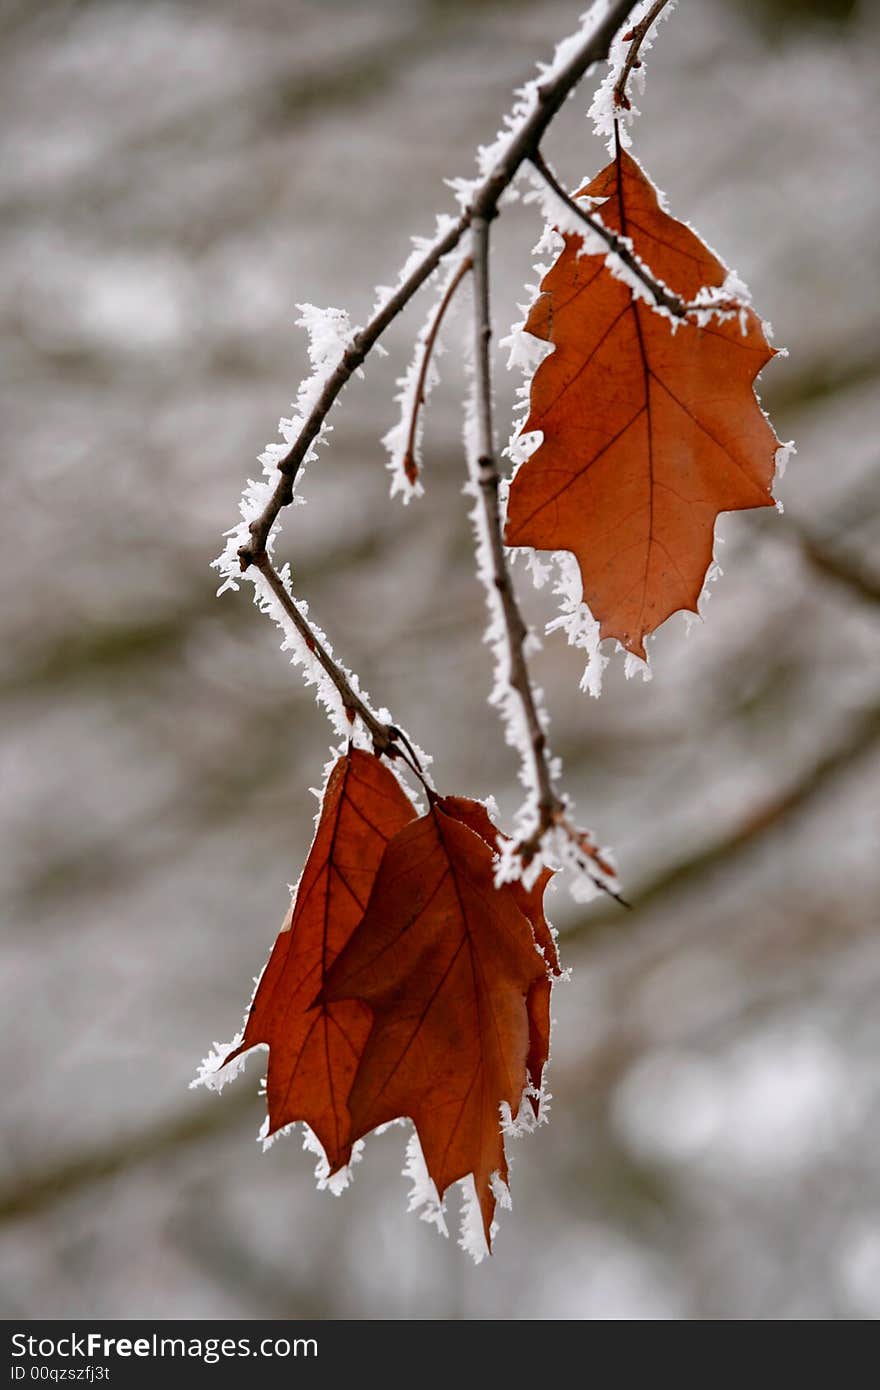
(530, 902)
(315, 1047)
(445, 961)
(650, 427)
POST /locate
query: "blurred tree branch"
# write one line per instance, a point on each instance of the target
(848, 571)
(857, 742)
(159, 1140)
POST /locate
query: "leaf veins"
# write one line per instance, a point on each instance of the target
(446, 962)
(651, 428)
(315, 1047)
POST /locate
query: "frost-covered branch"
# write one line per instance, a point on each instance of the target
(337, 351)
(355, 707)
(539, 102)
(409, 461)
(635, 38)
(489, 481)
(550, 808)
(351, 360)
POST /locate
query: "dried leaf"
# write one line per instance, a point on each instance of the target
(530, 902)
(445, 961)
(651, 428)
(314, 1048)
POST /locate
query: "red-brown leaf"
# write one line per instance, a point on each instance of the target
(445, 962)
(530, 902)
(648, 433)
(314, 1048)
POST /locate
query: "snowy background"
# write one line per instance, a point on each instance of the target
(175, 177)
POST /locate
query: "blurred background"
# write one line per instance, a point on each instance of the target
(175, 177)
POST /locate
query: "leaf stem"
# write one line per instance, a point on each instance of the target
(621, 246)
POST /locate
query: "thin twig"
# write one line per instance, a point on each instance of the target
(410, 467)
(382, 735)
(551, 808)
(489, 479)
(637, 34)
(351, 359)
(550, 96)
(387, 738)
